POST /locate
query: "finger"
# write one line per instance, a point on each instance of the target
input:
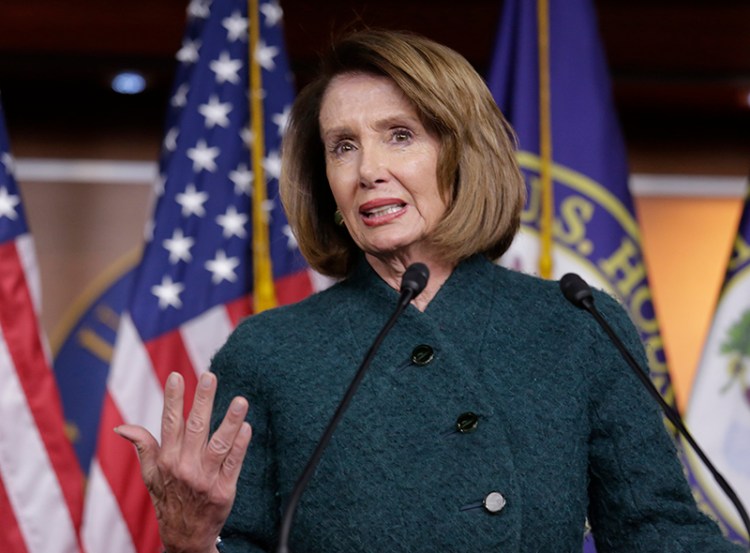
(230, 468)
(171, 416)
(222, 440)
(145, 445)
(196, 426)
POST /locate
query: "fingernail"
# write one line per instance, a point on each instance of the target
(205, 380)
(237, 406)
(172, 380)
(117, 430)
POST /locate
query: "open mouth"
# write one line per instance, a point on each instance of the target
(382, 210)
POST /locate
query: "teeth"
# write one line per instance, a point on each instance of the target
(385, 210)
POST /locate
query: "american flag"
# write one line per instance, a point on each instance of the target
(41, 484)
(195, 279)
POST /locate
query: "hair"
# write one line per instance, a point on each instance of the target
(477, 172)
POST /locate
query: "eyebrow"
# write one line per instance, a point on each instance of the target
(385, 123)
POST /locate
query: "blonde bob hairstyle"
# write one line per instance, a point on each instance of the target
(477, 171)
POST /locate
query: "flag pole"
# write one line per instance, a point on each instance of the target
(264, 295)
(545, 142)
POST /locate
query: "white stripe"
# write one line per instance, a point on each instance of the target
(320, 282)
(132, 382)
(30, 481)
(103, 526)
(86, 170)
(688, 186)
(204, 335)
(27, 256)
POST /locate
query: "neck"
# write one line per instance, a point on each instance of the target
(391, 270)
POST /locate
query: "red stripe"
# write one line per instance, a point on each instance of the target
(121, 468)
(168, 354)
(239, 309)
(289, 289)
(11, 538)
(21, 330)
(293, 288)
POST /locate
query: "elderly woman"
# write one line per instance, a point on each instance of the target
(496, 417)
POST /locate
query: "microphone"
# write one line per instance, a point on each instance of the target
(578, 292)
(412, 284)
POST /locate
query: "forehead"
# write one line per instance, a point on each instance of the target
(362, 94)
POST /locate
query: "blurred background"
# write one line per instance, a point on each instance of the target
(85, 153)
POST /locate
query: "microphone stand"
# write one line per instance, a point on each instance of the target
(414, 281)
(577, 292)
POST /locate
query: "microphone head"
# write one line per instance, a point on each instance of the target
(576, 291)
(415, 279)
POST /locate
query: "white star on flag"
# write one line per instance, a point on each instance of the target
(192, 201)
(247, 137)
(226, 69)
(179, 100)
(291, 242)
(222, 267)
(215, 112)
(189, 51)
(264, 55)
(159, 183)
(179, 247)
(281, 120)
(242, 178)
(272, 164)
(170, 139)
(168, 293)
(8, 204)
(267, 206)
(7, 160)
(272, 12)
(236, 27)
(203, 157)
(233, 223)
(199, 9)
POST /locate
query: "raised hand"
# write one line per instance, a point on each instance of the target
(192, 479)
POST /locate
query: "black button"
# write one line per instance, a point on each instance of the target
(422, 355)
(467, 422)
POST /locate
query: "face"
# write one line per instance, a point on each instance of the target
(381, 164)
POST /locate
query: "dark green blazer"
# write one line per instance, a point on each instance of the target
(556, 427)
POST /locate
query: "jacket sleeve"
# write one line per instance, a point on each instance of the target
(639, 499)
(252, 524)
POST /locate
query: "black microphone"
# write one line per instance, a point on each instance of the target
(412, 283)
(577, 292)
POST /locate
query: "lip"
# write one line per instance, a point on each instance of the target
(386, 216)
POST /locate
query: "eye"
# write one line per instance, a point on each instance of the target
(342, 147)
(402, 135)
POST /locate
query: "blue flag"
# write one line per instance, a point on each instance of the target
(718, 412)
(579, 214)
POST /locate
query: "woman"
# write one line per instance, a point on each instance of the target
(496, 417)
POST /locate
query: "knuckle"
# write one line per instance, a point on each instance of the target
(195, 424)
(231, 463)
(219, 445)
(184, 473)
(170, 419)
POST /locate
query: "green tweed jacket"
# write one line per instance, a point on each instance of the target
(497, 420)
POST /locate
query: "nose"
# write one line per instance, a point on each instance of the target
(372, 166)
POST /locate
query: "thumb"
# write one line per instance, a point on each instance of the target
(145, 444)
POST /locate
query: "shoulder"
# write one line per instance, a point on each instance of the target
(279, 333)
